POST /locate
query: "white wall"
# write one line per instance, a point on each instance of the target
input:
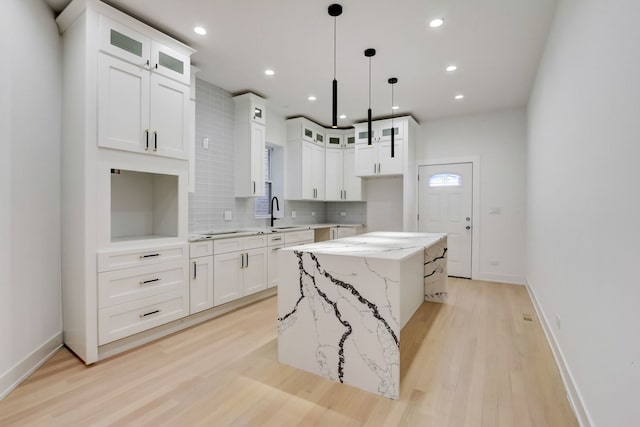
(30, 315)
(583, 202)
(497, 140)
(384, 204)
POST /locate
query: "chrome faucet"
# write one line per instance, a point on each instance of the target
(277, 207)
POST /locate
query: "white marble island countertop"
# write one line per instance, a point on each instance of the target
(379, 245)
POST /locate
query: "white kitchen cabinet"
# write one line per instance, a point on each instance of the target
(344, 231)
(305, 160)
(201, 276)
(143, 94)
(239, 268)
(275, 243)
(342, 184)
(250, 139)
(375, 159)
(125, 126)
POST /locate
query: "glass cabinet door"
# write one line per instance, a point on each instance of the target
(170, 63)
(124, 43)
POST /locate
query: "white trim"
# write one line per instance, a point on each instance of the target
(475, 200)
(21, 370)
(500, 278)
(573, 394)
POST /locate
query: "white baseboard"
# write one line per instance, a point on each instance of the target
(500, 278)
(21, 371)
(573, 394)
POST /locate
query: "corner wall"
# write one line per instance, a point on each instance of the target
(497, 141)
(30, 312)
(583, 204)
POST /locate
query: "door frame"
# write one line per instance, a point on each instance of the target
(475, 201)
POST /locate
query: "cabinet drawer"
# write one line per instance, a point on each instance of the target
(223, 246)
(275, 239)
(130, 318)
(116, 260)
(298, 236)
(252, 242)
(198, 249)
(130, 284)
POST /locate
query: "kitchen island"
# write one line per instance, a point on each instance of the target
(343, 303)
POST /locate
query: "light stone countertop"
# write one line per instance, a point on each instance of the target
(380, 245)
(226, 234)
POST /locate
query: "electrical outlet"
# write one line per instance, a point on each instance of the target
(313, 214)
(343, 214)
(227, 215)
(558, 322)
(293, 214)
(205, 143)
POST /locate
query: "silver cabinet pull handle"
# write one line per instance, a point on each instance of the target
(247, 255)
(375, 168)
(276, 239)
(241, 260)
(150, 313)
(148, 256)
(145, 282)
(345, 194)
(155, 140)
(146, 147)
(254, 187)
(195, 270)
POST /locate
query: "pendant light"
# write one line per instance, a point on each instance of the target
(369, 53)
(392, 81)
(335, 10)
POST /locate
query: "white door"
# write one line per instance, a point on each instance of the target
(352, 184)
(255, 271)
(272, 265)
(123, 104)
(227, 277)
(257, 159)
(334, 172)
(317, 171)
(391, 165)
(445, 206)
(169, 122)
(201, 284)
(366, 160)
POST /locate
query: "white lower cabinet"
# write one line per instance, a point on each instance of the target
(201, 276)
(141, 288)
(276, 242)
(239, 273)
(120, 321)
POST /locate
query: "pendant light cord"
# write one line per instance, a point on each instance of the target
(369, 82)
(334, 48)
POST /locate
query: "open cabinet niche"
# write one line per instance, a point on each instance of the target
(143, 205)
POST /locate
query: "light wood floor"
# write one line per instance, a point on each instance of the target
(471, 362)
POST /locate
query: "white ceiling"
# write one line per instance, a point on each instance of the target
(496, 45)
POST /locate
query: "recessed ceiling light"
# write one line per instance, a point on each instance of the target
(435, 23)
(200, 30)
(269, 72)
(395, 107)
(459, 96)
(312, 98)
(343, 116)
(452, 68)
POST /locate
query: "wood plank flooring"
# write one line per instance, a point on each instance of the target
(471, 362)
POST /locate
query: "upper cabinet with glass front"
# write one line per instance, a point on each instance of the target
(130, 45)
(142, 81)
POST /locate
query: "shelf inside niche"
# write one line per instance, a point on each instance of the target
(144, 205)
